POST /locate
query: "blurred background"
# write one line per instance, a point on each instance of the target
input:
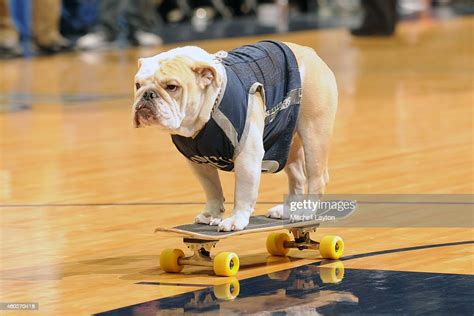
(39, 27)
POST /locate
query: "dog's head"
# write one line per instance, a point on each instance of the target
(172, 88)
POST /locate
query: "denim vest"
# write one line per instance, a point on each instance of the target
(268, 67)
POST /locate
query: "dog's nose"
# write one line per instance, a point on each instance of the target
(149, 95)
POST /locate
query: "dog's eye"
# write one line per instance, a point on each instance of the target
(171, 88)
(137, 85)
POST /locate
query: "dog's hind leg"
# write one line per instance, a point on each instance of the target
(316, 120)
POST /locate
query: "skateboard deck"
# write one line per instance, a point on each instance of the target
(256, 224)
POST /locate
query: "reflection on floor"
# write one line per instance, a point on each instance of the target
(327, 289)
(21, 101)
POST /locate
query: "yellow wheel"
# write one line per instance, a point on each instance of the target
(331, 247)
(227, 291)
(276, 244)
(169, 260)
(332, 273)
(226, 264)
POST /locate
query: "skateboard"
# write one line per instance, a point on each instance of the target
(200, 239)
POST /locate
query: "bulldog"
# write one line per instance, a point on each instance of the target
(259, 108)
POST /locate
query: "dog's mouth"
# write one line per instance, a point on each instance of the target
(145, 114)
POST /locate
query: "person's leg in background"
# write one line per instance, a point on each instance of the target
(380, 18)
(107, 28)
(45, 27)
(143, 22)
(9, 45)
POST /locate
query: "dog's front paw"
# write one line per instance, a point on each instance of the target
(235, 222)
(212, 214)
(276, 211)
(207, 219)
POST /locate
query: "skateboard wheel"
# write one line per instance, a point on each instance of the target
(226, 264)
(227, 291)
(332, 273)
(331, 247)
(169, 260)
(276, 244)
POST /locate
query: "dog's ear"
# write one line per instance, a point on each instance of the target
(140, 61)
(207, 74)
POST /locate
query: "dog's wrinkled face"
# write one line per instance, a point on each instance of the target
(170, 89)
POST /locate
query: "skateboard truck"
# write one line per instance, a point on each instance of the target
(201, 252)
(302, 239)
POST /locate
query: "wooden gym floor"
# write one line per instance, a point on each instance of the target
(81, 191)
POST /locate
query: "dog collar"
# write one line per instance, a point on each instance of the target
(222, 88)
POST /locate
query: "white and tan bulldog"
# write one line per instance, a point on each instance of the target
(181, 91)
